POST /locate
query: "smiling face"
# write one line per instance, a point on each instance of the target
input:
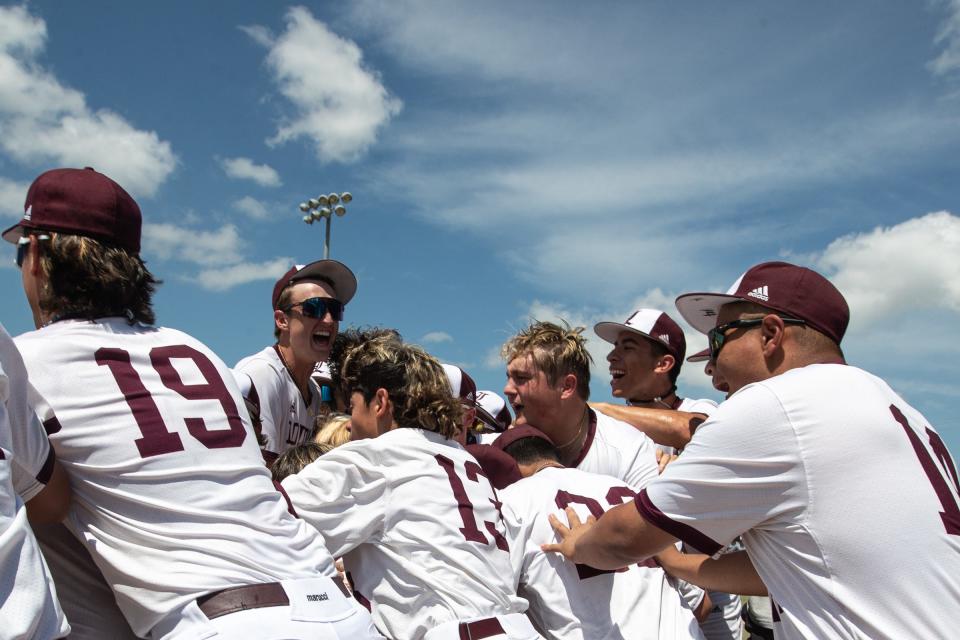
(534, 400)
(309, 339)
(639, 370)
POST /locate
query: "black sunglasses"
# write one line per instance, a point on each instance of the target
(23, 246)
(318, 308)
(718, 335)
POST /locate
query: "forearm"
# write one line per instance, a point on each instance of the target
(663, 426)
(730, 573)
(619, 538)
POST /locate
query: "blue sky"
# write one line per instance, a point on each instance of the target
(513, 160)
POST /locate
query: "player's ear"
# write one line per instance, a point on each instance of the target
(665, 363)
(382, 405)
(771, 334)
(568, 386)
(280, 319)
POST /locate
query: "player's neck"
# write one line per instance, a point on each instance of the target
(667, 401)
(299, 371)
(571, 436)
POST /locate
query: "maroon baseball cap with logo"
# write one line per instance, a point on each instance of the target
(344, 282)
(796, 292)
(80, 202)
(652, 324)
(700, 356)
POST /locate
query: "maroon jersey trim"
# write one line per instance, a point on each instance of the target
(684, 532)
(591, 432)
(47, 469)
(283, 492)
(51, 425)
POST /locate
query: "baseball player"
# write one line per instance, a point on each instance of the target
(171, 498)
(574, 602)
(409, 510)
(648, 352)
(824, 530)
(28, 601)
(548, 384)
(308, 302)
(645, 362)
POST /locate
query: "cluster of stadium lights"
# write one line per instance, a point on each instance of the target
(325, 207)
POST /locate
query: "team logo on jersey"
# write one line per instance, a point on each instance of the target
(28, 213)
(760, 293)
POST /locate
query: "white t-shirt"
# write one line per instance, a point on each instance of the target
(839, 488)
(286, 419)
(418, 526)
(171, 496)
(615, 448)
(572, 602)
(702, 405)
(28, 598)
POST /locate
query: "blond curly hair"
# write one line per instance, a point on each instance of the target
(557, 351)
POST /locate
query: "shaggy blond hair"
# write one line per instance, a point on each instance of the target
(557, 351)
(331, 429)
(412, 378)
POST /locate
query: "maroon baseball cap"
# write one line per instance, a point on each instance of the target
(796, 292)
(80, 202)
(344, 282)
(492, 410)
(501, 470)
(652, 324)
(519, 432)
(700, 356)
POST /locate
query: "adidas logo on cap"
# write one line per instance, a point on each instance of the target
(665, 337)
(760, 293)
(28, 213)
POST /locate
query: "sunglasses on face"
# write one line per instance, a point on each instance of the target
(318, 308)
(718, 335)
(23, 247)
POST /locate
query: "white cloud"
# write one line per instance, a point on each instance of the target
(246, 169)
(12, 195)
(44, 121)
(948, 37)
(254, 208)
(436, 337)
(338, 103)
(170, 242)
(237, 274)
(901, 269)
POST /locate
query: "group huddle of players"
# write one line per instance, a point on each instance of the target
(148, 490)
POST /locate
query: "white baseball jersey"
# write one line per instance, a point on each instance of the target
(28, 599)
(171, 496)
(418, 526)
(576, 602)
(845, 496)
(615, 448)
(287, 420)
(691, 405)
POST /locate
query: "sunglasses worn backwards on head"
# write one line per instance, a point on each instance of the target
(23, 246)
(318, 308)
(718, 335)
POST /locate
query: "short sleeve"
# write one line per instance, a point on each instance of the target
(742, 470)
(642, 466)
(267, 392)
(344, 494)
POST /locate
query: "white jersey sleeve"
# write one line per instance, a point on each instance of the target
(703, 405)
(826, 472)
(419, 527)
(28, 598)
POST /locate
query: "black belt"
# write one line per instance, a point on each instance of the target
(480, 629)
(251, 596)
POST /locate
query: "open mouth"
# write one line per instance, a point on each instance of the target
(321, 339)
(616, 374)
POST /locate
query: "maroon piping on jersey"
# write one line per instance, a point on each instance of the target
(591, 432)
(684, 532)
(283, 492)
(46, 471)
(52, 425)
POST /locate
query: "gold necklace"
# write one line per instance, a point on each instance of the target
(583, 424)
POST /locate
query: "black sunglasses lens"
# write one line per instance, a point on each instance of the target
(318, 308)
(22, 253)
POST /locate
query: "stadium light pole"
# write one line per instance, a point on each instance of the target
(325, 206)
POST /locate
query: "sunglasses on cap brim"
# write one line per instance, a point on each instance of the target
(319, 307)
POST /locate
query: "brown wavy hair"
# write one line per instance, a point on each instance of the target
(556, 350)
(412, 378)
(86, 279)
